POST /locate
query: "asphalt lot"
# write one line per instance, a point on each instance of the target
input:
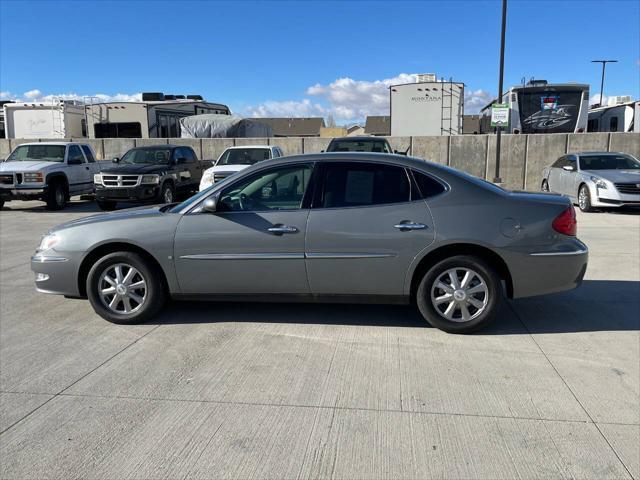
(552, 390)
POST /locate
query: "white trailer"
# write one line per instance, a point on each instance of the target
(58, 119)
(426, 108)
(623, 117)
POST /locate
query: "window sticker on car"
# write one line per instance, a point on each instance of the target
(359, 188)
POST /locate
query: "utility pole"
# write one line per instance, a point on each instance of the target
(604, 64)
(497, 178)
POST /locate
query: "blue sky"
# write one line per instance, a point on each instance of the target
(308, 58)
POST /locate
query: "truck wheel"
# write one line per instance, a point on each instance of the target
(459, 294)
(1, 204)
(106, 205)
(167, 194)
(125, 288)
(56, 196)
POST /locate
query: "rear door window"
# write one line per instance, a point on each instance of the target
(88, 153)
(360, 184)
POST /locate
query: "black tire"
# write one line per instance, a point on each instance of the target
(584, 199)
(56, 197)
(489, 297)
(106, 205)
(1, 204)
(153, 297)
(167, 191)
(545, 186)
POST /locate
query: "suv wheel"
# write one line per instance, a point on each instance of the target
(167, 193)
(459, 294)
(106, 205)
(124, 288)
(56, 196)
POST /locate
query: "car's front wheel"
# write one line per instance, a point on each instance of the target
(56, 197)
(584, 199)
(460, 294)
(545, 186)
(125, 288)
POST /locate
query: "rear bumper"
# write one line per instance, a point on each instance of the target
(541, 272)
(142, 193)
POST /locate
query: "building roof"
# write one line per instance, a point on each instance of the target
(294, 127)
(378, 125)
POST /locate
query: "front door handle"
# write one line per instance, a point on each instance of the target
(406, 226)
(282, 229)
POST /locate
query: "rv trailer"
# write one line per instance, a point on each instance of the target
(621, 115)
(542, 107)
(57, 119)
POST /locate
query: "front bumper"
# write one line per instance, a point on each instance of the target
(545, 271)
(141, 193)
(22, 193)
(611, 197)
(56, 274)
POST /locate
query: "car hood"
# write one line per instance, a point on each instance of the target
(137, 212)
(135, 169)
(26, 166)
(227, 168)
(616, 176)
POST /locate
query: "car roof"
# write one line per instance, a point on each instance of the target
(598, 153)
(361, 138)
(51, 143)
(236, 147)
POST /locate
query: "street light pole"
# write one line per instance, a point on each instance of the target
(604, 64)
(497, 178)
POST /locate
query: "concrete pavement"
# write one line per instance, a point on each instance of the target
(551, 390)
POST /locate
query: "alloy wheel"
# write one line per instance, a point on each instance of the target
(582, 198)
(122, 288)
(168, 195)
(460, 294)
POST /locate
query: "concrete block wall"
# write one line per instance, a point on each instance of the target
(523, 156)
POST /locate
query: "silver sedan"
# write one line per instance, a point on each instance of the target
(595, 179)
(337, 227)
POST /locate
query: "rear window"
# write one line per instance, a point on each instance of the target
(377, 146)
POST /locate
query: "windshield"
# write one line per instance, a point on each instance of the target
(243, 156)
(380, 146)
(608, 162)
(46, 153)
(152, 156)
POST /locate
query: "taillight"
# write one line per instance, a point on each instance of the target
(566, 222)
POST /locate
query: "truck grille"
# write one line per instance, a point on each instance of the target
(6, 179)
(120, 181)
(628, 188)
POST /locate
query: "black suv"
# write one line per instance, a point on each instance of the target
(361, 144)
(149, 174)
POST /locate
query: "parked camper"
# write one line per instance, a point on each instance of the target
(542, 107)
(618, 117)
(58, 119)
(156, 116)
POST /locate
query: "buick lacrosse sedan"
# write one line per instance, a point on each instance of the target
(337, 227)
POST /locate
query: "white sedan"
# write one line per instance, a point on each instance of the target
(234, 159)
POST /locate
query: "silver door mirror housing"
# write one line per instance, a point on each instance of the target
(210, 205)
(569, 168)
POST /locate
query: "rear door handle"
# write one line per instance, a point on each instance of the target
(282, 229)
(406, 226)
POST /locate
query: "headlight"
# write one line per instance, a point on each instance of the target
(97, 179)
(150, 179)
(599, 183)
(33, 177)
(49, 241)
(207, 177)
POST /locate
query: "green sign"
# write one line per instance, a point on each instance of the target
(499, 115)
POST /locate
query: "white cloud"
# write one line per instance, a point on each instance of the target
(475, 100)
(350, 100)
(36, 95)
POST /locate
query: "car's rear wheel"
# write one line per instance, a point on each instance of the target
(124, 288)
(459, 294)
(106, 205)
(56, 197)
(584, 199)
(545, 186)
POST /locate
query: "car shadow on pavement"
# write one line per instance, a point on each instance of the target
(586, 309)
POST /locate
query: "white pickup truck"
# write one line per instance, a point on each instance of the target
(48, 171)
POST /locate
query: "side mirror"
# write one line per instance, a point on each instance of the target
(74, 161)
(116, 160)
(569, 168)
(210, 205)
